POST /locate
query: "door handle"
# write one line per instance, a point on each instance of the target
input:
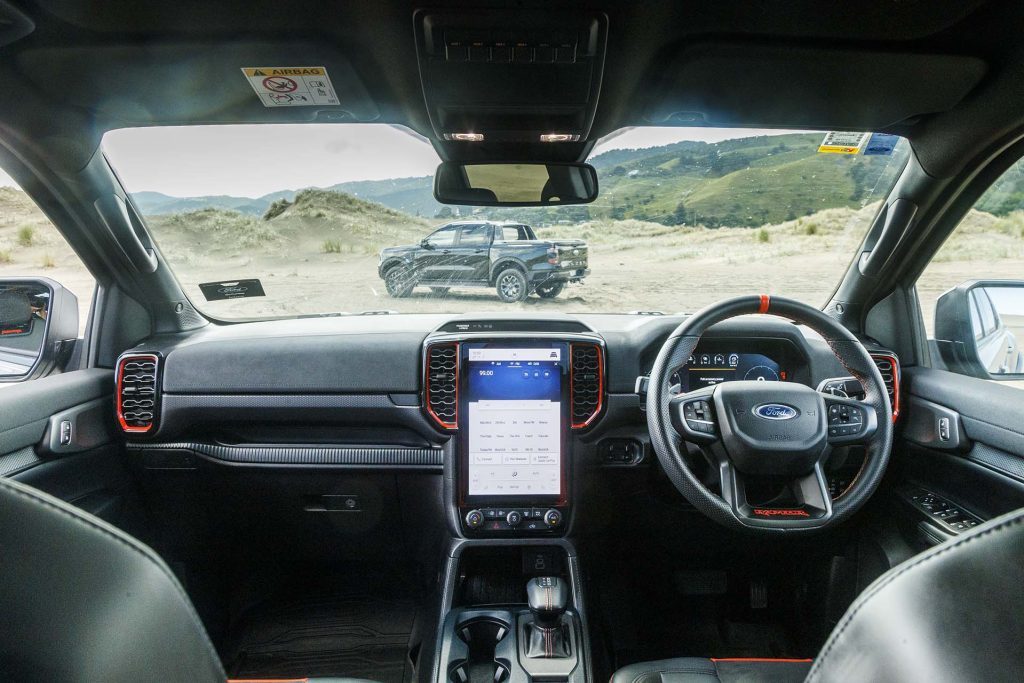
(478, 251)
(446, 251)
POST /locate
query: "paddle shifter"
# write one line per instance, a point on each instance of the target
(547, 635)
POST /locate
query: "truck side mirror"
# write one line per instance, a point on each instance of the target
(978, 325)
(38, 327)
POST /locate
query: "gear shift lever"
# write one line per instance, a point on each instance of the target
(548, 597)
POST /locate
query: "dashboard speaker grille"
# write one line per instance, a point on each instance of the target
(138, 393)
(442, 384)
(587, 377)
(889, 367)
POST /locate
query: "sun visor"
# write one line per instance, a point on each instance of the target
(800, 87)
(203, 83)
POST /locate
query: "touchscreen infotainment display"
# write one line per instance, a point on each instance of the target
(514, 402)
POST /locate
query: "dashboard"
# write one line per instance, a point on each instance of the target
(519, 414)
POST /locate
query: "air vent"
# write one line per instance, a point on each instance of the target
(442, 384)
(587, 371)
(889, 367)
(138, 399)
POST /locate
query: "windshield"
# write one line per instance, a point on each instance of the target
(310, 219)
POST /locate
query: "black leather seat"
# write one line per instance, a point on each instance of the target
(954, 613)
(697, 670)
(82, 601)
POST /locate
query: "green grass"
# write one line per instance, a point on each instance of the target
(331, 247)
(763, 235)
(5, 256)
(26, 236)
(746, 182)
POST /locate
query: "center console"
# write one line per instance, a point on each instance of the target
(513, 614)
(512, 403)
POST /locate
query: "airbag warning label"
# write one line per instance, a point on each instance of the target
(291, 86)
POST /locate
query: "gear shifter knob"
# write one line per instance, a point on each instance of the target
(548, 597)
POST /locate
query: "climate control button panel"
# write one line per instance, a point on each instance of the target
(514, 520)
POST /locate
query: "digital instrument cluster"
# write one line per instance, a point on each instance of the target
(714, 366)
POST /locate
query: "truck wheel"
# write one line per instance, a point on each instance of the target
(550, 290)
(511, 286)
(398, 282)
(439, 291)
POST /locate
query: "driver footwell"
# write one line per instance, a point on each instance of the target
(656, 608)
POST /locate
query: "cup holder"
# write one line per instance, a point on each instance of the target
(481, 637)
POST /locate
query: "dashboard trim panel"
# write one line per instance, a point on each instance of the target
(371, 457)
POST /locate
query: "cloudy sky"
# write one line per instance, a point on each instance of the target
(253, 160)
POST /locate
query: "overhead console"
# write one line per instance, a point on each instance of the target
(512, 402)
(511, 76)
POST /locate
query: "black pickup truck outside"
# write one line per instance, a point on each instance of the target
(506, 256)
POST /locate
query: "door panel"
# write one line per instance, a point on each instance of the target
(973, 462)
(434, 262)
(472, 253)
(87, 469)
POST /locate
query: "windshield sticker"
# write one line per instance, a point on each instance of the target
(841, 142)
(291, 86)
(234, 289)
(881, 144)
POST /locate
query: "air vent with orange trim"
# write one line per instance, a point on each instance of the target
(137, 396)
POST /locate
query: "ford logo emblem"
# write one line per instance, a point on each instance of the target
(776, 411)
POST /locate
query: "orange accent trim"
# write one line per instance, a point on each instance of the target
(766, 301)
(426, 384)
(895, 382)
(125, 427)
(760, 659)
(600, 385)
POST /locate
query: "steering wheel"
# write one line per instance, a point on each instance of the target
(776, 434)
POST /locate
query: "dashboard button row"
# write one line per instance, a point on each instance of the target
(507, 519)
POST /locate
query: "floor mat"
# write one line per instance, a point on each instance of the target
(653, 612)
(357, 636)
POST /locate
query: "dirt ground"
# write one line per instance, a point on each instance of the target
(634, 265)
(621, 281)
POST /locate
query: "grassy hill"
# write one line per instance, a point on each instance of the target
(741, 183)
(316, 222)
(744, 182)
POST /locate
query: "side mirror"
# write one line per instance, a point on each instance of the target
(425, 244)
(514, 184)
(978, 328)
(38, 327)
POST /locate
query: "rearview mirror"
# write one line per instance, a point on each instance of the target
(511, 184)
(978, 328)
(38, 326)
